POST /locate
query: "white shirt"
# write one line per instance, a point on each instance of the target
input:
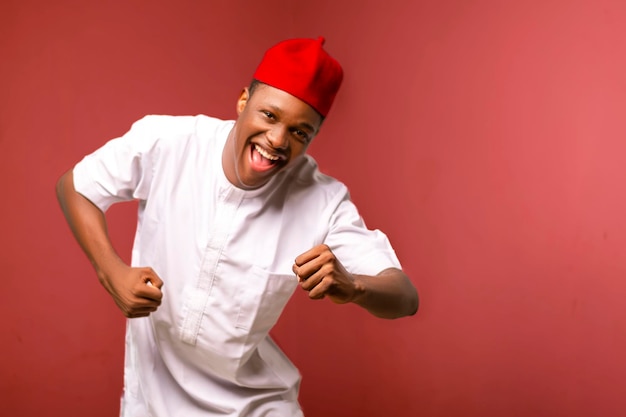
(225, 256)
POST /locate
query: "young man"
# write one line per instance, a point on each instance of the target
(233, 216)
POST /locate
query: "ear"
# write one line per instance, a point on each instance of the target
(243, 100)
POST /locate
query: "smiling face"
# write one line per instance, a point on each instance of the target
(273, 130)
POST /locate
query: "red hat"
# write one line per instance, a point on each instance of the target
(302, 68)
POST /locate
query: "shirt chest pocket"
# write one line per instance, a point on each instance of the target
(261, 297)
(230, 311)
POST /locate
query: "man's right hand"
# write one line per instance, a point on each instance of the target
(136, 291)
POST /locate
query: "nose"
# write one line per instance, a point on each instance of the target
(277, 136)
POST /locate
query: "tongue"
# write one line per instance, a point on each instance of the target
(259, 162)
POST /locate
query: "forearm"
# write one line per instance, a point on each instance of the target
(88, 224)
(389, 294)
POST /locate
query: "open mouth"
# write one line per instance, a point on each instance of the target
(265, 154)
(263, 160)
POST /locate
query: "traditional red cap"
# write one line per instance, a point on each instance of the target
(302, 68)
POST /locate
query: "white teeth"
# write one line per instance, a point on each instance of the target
(265, 154)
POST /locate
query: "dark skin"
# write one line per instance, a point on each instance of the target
(271, 124)
(389, 295)
(127, 285)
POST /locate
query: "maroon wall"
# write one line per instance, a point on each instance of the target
(486, 138)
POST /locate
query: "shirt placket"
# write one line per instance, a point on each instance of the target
(228, 203)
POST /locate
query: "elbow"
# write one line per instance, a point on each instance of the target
(406, 308)
(407, 301)
(414, 303)
(63, 185)
(411, 304)
(60, 184)
(59, 188)
(411, 300)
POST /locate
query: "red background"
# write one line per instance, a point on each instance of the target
(486, 138)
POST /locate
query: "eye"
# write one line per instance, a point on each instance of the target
(301, 135)
(268, 114)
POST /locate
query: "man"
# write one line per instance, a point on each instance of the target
(233, 216)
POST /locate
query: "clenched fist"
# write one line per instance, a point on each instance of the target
(322, 275)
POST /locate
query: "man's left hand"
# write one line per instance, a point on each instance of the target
(322, 275)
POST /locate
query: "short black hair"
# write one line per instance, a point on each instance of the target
(253, 85)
